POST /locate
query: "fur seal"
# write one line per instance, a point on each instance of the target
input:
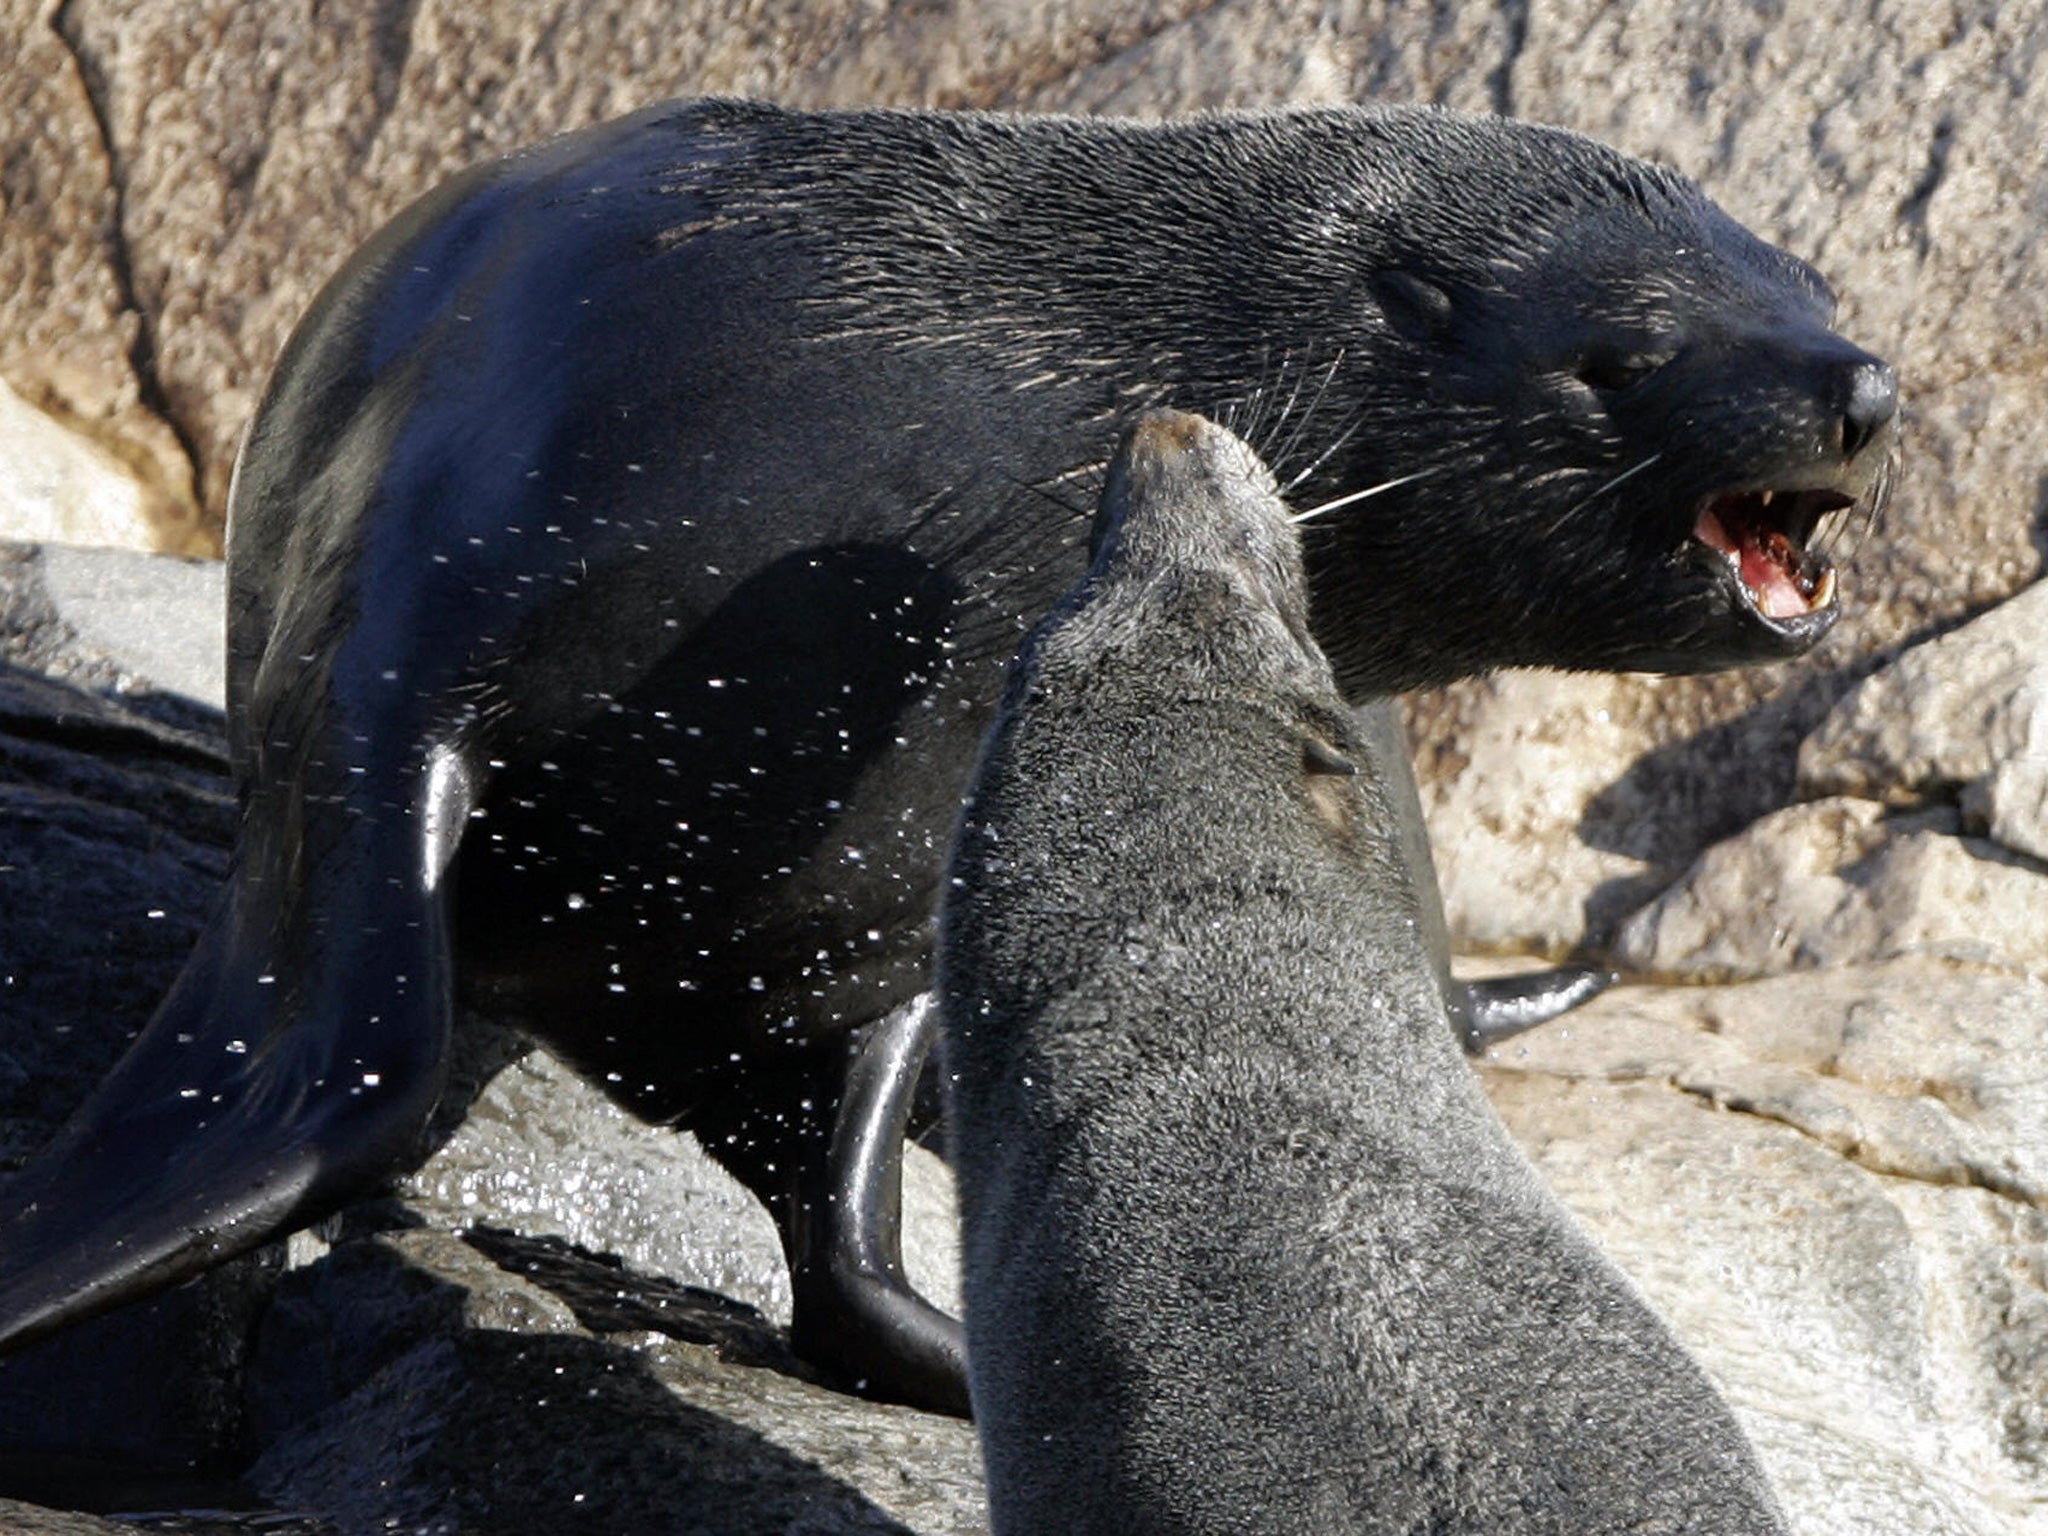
(648, 518)
(1244, 1246)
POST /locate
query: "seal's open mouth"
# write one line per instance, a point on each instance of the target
(1767, 540)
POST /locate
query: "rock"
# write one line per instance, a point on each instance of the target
(74, 344)
(1967, 711)
(1955, 726)
(426, 1385)
(160, 620)
(18, 1519)
(60, 484)
(1506, 796)
(181, 191)
(1839, 882)
(542, 1150)
(1835, 1186)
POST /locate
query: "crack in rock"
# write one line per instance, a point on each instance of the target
(142, 350)
(1963, 1173)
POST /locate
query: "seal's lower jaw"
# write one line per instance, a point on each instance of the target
(1758, 548)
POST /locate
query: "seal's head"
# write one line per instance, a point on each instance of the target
(1184, 650)
(1637, 409)
(1196, 569)
(1558, 408)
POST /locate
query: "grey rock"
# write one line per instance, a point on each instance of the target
(542, 1150)
(410, 1381)
(159, 619)
(1833, 1185)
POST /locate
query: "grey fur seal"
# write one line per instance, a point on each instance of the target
(627, 550)
(1245, 1249)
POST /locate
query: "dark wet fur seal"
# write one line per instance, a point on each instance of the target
(650, 516)
(1245, 1249)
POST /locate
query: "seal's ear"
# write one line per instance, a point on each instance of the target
(1414, 307)
(1318, 756)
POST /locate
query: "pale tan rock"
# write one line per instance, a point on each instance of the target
(1945, 714)
(1243, 53)
(68, 326)
(1967, 711)
(17, 1519)
(1835, 882)
(1835, 1187)
(58, 486)
(1505, 800)
(2011, 803)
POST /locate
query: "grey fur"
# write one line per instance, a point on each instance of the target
(1246, 1248)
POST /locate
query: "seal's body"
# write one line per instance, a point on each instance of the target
(1244, 1247)
(634, 533)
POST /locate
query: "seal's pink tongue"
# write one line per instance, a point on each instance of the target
(1765, 574)
(1765, 562)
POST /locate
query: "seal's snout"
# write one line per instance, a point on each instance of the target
(1769, 540)
(1870, 406)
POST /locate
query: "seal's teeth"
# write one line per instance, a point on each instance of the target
(1824, 593)
(1763, 499)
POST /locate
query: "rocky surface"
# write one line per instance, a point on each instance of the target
(1832, 1185)
(1927, 836)
(180, 179)
(1832, 1178)
(1815, 1141)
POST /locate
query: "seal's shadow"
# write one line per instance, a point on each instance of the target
(392, 1406)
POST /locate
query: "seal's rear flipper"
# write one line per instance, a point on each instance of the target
(852, 1306)
(292, 1065)
(1487, 1012)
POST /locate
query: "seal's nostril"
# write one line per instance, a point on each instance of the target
(1873, 400)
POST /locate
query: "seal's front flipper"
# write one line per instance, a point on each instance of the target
(853, 1309)
(1487, 1012)
(292, 1065)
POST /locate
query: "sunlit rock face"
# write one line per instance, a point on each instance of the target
(1814, 1140)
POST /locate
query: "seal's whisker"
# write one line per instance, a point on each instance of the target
(1369, 491)
(1293, 390)
(1861, 520)
(1336, 446)
(1304, 416)
(1627, 474)
(1258, 403)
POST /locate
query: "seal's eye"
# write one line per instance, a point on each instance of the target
(1611, 369)
(1414, 307)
